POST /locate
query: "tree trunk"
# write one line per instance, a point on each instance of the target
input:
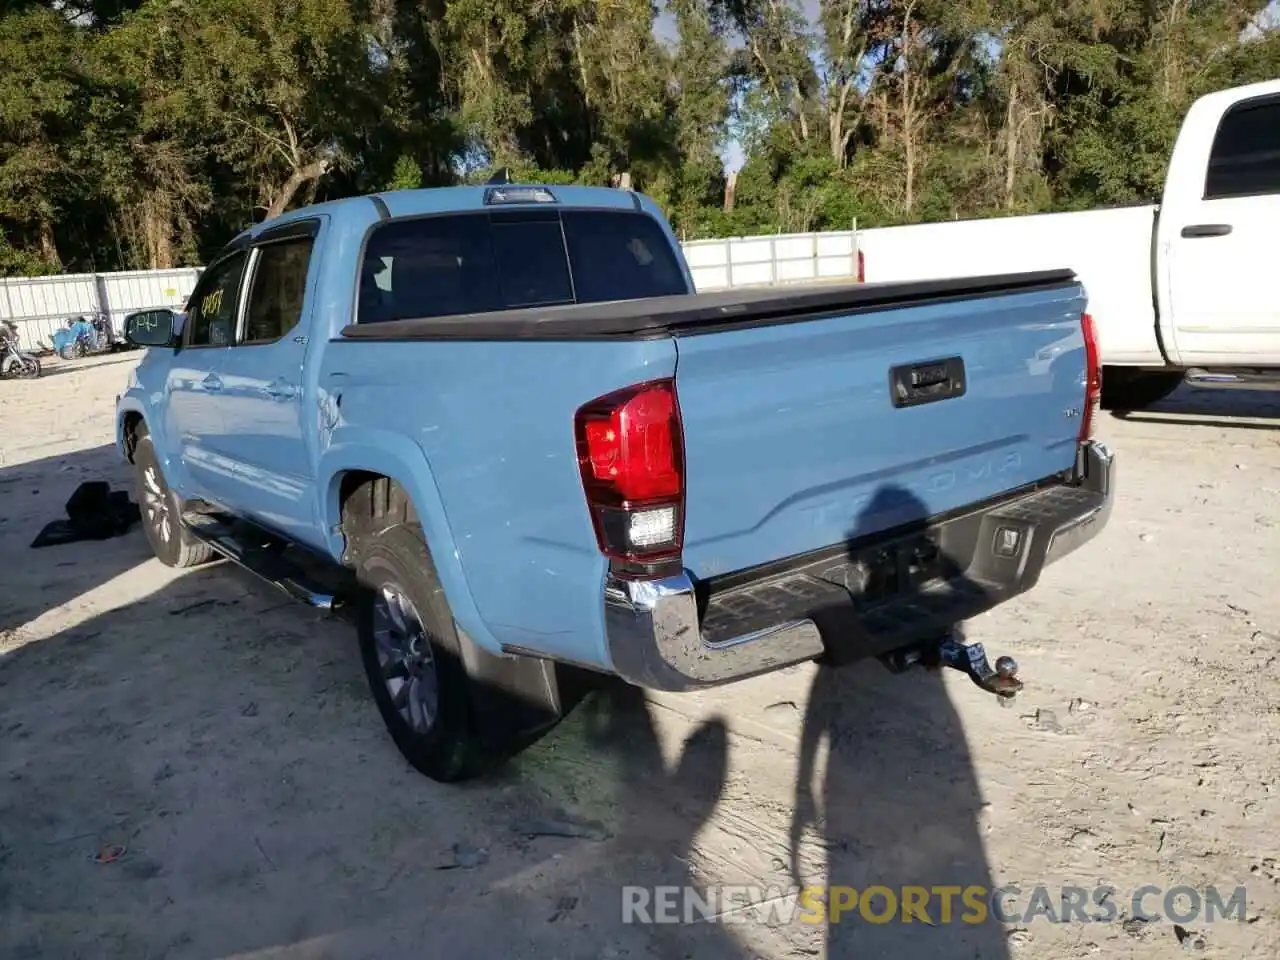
(841, 131)
(910, 196)
(910, 108)
(49, 246)
(157, 234)
(283, 196)
(908, 141)
(835, 130)
(1011, 147)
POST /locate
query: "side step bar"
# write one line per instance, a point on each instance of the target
(266, 556)
(1252, 379)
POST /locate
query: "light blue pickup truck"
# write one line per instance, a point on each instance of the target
(498, 428)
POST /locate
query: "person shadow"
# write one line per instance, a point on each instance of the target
(271, 776)
(897, 803)
(664, 806)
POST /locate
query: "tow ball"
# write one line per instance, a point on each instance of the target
(968, 658)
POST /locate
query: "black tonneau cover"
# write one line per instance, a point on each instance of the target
(691, 314)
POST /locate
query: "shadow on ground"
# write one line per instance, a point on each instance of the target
(225, 738)
(898, 803)
(1239, 409)
(35, 493)
(52, 365)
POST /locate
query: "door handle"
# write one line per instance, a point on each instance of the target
(279, 390)
(915, 383)
(212, 383)
(1198, 230)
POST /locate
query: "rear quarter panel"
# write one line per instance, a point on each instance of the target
(493, 422)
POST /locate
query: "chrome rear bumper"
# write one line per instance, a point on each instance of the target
(657, 639)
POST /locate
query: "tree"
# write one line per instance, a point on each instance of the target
(777, 47)
(40, 57)
(143, 133)
(284, 83)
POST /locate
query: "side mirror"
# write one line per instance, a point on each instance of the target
(150, 328)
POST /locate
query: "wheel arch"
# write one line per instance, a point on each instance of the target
(384, 480)
(127, 431)
(133, 412)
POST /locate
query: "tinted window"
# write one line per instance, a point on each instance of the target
(487, 262)
(1246, 152)
(620, 256)
(534, 270)
(211, 319)
(276, 292)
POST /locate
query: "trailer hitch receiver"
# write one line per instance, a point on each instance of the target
(969, 658)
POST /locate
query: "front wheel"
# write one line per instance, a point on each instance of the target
(27, 368)
(171, 540)
(412, 657)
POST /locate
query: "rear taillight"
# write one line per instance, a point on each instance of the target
(631, 455)
(862, 268)
(1093, 377)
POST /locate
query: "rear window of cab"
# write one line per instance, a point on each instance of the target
(490, 261)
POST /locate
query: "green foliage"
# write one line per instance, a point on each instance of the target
(41, 98)
(143, 133)
(407, 175)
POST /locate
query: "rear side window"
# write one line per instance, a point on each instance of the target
(1245, 160)
(505, 260)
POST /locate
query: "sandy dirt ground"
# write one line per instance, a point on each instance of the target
(225, 738)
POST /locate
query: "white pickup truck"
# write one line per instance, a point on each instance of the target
(1187, 289)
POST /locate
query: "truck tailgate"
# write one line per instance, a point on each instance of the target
(794, 442)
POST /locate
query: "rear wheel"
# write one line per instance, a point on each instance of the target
(173, 544)
(412, 656)
(1129, 388)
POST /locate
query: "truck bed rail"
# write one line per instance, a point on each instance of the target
(658, 317)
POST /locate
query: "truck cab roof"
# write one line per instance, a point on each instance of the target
(426, 201)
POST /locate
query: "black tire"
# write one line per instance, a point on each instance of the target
(173, 544)
(27, 368)
(1127, 388)
(449, 748)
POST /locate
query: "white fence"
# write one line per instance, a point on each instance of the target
(41, 305)
(767, 260)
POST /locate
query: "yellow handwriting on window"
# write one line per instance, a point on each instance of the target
(212, 303)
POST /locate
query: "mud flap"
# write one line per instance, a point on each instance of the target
(514, 699)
